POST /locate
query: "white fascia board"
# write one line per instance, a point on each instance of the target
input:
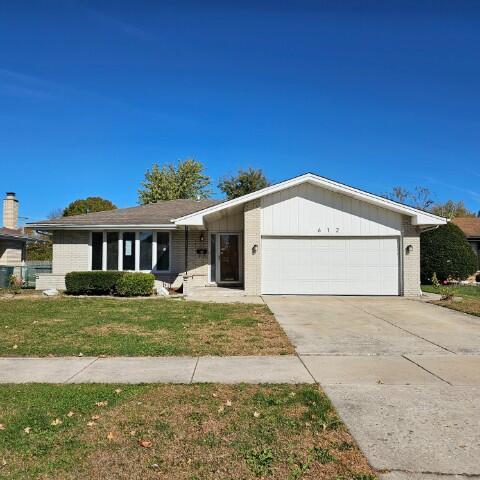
(419, 217)
(49, 226)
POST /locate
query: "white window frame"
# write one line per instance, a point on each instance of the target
(137, 250)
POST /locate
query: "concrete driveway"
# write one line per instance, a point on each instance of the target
(404, 376)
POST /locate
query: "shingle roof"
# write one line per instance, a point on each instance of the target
(469, 225)
(160, 213)
(14, 234)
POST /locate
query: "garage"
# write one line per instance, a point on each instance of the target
(330, 265)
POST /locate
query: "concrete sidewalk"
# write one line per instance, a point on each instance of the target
(253, 369)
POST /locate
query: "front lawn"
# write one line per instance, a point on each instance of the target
(469, 302)
(136, 327)
(175, 432)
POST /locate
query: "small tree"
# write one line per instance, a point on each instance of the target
(88, 205)
(419, 197)
(451, 209)
(246, 181)
(446, 252)
(184, 180)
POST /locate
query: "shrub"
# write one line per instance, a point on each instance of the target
(92, 283)
(446, 252)
(135, 284)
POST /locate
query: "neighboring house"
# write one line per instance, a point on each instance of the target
(306, 235)
(12, 239)
(471, 228)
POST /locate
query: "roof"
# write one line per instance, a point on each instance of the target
(160, 214)
(469, 225)
(419, 217)
(13, 234)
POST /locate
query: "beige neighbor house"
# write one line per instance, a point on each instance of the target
(12, 239)
(307, 235)
(471, 228)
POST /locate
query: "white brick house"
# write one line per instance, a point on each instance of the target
(306, 235)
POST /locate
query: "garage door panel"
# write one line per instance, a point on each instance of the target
(330, 266)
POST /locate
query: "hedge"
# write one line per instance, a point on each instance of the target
(446, 252)
(111, 282)
(135, 284)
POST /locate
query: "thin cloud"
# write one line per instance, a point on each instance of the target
(21, 85)
(119, 25)
(471, 193)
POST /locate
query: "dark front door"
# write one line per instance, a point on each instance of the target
(229, 261)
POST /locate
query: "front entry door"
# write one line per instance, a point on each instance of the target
(228, 264)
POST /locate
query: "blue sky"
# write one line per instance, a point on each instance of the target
(373, 94)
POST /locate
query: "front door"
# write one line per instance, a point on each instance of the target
(228, 264)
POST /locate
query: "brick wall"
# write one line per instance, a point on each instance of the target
(252, 236)
(70, 251)
(11, 253)
(411, 261)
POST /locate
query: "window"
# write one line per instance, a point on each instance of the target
(146, 240)
(163, 251)
(129, 251)
(97, 250)
(112, 250)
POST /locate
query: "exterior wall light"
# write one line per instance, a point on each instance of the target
(409, 249)
(202, 237)
(254, 249)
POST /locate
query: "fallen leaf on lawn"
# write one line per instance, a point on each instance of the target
(118, 391)
(27, 429)
(91, 424)
(145, 443)
(256, 414)
(4, 462)
(56, 422)
(292, 394)
(15, 347)
(80, 354)
(133, 433)
(221, 409)
(154, 465)
(214, 395)
(102, 404)
(95, 417)
(2, 426)
(110, 436)
(228, 403)
(70, 414)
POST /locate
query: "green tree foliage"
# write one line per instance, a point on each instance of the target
(246, 181)
(40, 251)
(446, 252)
(170, 182)
(88, 205)
(451, 209)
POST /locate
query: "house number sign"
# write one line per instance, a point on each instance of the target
(328, 230)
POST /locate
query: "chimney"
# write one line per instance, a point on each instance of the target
(10, 211)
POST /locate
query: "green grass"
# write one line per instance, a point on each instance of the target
(105, 326)
(460, 290)
(192, 431)
(48, 448)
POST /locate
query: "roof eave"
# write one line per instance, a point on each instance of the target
(93, 227)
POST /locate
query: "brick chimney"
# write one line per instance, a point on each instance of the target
(10, 211)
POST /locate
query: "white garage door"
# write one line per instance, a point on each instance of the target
(330, 266)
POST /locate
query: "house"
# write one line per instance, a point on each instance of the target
(12, 239)
(471, 228)
(306, 235)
